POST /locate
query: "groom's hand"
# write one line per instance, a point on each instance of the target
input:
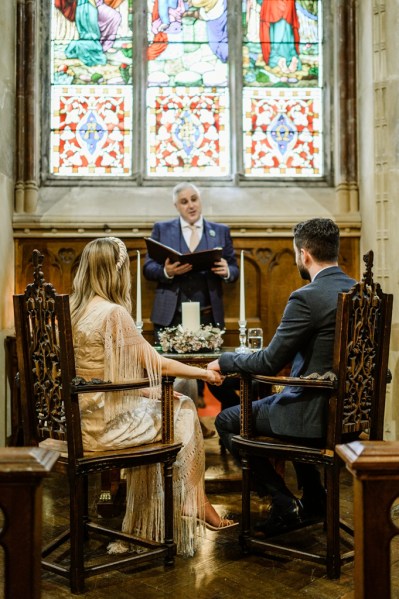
(214, 365)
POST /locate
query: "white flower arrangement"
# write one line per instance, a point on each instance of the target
(180, 340)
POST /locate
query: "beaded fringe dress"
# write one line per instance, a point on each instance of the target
(109, 347)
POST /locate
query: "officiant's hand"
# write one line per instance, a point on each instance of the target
(221, 268)
(174, 269)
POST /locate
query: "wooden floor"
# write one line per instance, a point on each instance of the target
(219, 570)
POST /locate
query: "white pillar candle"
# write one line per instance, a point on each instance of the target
(190, 312)
(138, 290)
(242, 288)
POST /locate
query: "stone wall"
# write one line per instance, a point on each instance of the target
(378, 126)
(7, 146)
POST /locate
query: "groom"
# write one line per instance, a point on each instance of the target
(305, 338)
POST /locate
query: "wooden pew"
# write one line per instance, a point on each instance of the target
(22, 470)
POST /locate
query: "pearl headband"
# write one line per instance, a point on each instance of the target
(122, 252)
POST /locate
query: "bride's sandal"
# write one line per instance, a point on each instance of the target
(223, 524)
(211, 514)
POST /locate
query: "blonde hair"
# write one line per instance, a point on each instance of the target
(103, 271)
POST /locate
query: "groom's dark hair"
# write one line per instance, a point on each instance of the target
(320, 237)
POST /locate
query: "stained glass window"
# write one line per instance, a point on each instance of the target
(187, 96)
(91, 88)
(183, 79)
(282, 88)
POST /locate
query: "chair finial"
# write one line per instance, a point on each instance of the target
(37, 261)
(368, 259)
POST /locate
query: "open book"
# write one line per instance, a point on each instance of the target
(202, 260)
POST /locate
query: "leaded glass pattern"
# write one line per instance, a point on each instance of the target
(187, 132)
(183, 117)
(187, 88)
(282, 132)
(282, 85)
(91, 87)
(91, 131)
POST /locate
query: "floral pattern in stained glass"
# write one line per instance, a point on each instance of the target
(91, 131)
(282, 133)
(187, 132)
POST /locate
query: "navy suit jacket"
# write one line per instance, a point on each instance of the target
(167, 292)
(305, 338)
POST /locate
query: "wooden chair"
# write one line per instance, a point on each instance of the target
(51, 419)
(356, 406)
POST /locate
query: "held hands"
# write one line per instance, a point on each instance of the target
(174, 269)
(213, 377)
(213, 368)
(221, 268)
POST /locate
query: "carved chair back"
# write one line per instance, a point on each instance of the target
(361, 354)
(49, 386)
(356, 389)
(51, 418)
(38, 333)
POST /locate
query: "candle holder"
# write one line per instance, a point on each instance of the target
(139, 326)
(243, 349)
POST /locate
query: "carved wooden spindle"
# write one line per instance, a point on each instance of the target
(38, 276)
(368, 259)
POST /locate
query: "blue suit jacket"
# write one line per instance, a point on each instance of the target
(305, 338)
(167, 292)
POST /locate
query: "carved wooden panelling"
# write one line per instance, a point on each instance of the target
(270, 276)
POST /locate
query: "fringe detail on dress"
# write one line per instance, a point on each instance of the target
(148, 523)
(124, 422)
(145, 496)
(127, 357)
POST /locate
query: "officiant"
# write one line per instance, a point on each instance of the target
(190, 232)
(177, 283)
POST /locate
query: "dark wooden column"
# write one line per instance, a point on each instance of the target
(21, 474)
(375, 467)
(27, 163)
(347, 184)
(20, 109)
(16, 438)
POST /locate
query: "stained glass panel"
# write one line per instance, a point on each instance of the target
(187, 117)
(91, 131)
(282, 133)
(282, 43)
(91, 46)
(187, 88)
(282, 77)
(187, 132)
(91, 42)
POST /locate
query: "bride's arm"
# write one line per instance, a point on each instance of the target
(176, 368)
(146, 354)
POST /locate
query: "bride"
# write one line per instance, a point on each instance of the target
(108, 346)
